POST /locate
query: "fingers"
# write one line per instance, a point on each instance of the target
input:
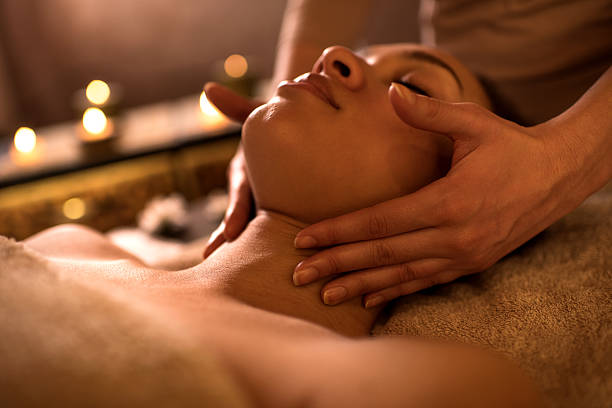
(406, 288)
(400, 215)
(368, 254)
(230, 103)
(239, 207)
(451, 119)
(240, 199)
(238, 212)
(377, 279)
(215, 241)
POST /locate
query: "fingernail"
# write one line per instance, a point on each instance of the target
(305, 242)
(334, 295)
(403, 92)
(375, 301)
(305, 276)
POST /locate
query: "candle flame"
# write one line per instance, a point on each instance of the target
(25, 140)
(98, 92)
(235, 65)
(211, 117)
(207, 107)
(94, 121)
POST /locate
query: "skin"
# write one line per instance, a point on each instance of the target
(280, 344)
(324, 161)
(484, 210)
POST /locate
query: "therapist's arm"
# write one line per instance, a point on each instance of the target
(506, 184)
(310, 26)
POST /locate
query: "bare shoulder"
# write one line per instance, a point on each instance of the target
(421, 373)
(73, 241)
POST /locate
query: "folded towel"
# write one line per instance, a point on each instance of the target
(547, 306)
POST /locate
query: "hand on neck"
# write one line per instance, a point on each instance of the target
(257, 269)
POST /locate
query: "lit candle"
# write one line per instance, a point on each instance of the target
(235, 66)
(25, 140)
(211, 116)
(26, 147)
(96, 125)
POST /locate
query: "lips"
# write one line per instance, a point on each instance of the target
(316, 84)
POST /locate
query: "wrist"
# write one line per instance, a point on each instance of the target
(580, 151)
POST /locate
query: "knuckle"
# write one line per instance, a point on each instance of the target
(471, 107)
(359, 285)
(406, 273)
(470, 251)
(479, 261)
(331, 234)
(333, 264)
(378, 225)
(452, 208)
(462, 245)
(382, 253)
(438, 279)
(433, 110)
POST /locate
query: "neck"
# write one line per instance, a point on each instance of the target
(257, 269)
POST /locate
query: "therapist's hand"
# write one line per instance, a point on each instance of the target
(237, 108)
(506, 184)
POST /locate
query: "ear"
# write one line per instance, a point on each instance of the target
(230, 103)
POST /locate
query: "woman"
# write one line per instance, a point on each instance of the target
(280, 344)
(541, 60)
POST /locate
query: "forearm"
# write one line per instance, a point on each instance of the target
(587, 127)
(310, 26)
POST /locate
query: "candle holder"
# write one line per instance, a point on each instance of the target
(97, 133)
(99, 94)
(99, 104)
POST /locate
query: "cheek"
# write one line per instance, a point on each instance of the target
(317, 167)
(415, 157)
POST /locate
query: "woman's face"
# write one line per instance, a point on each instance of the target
(329, 142)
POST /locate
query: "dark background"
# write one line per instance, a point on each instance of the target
(155, 49)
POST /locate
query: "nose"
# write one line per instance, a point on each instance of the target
(343, 65)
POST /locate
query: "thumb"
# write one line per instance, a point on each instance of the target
(455, 120)
(230, 103)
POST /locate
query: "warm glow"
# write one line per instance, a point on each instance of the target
(235, 65)
(25, 140)
(211, 117)
(74, 208)
(94, 121)
(98, 92)
(208, 108)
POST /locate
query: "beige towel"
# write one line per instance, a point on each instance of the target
(547, 306)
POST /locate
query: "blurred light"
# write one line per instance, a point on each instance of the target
(207, 107)
(211, 117)
(74, 208)
(98, 92)
(94, 121)
(25, 140)
(235, 65)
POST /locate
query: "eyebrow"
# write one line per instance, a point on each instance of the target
(426, 57)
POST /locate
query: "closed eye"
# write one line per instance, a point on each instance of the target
(413, 88)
